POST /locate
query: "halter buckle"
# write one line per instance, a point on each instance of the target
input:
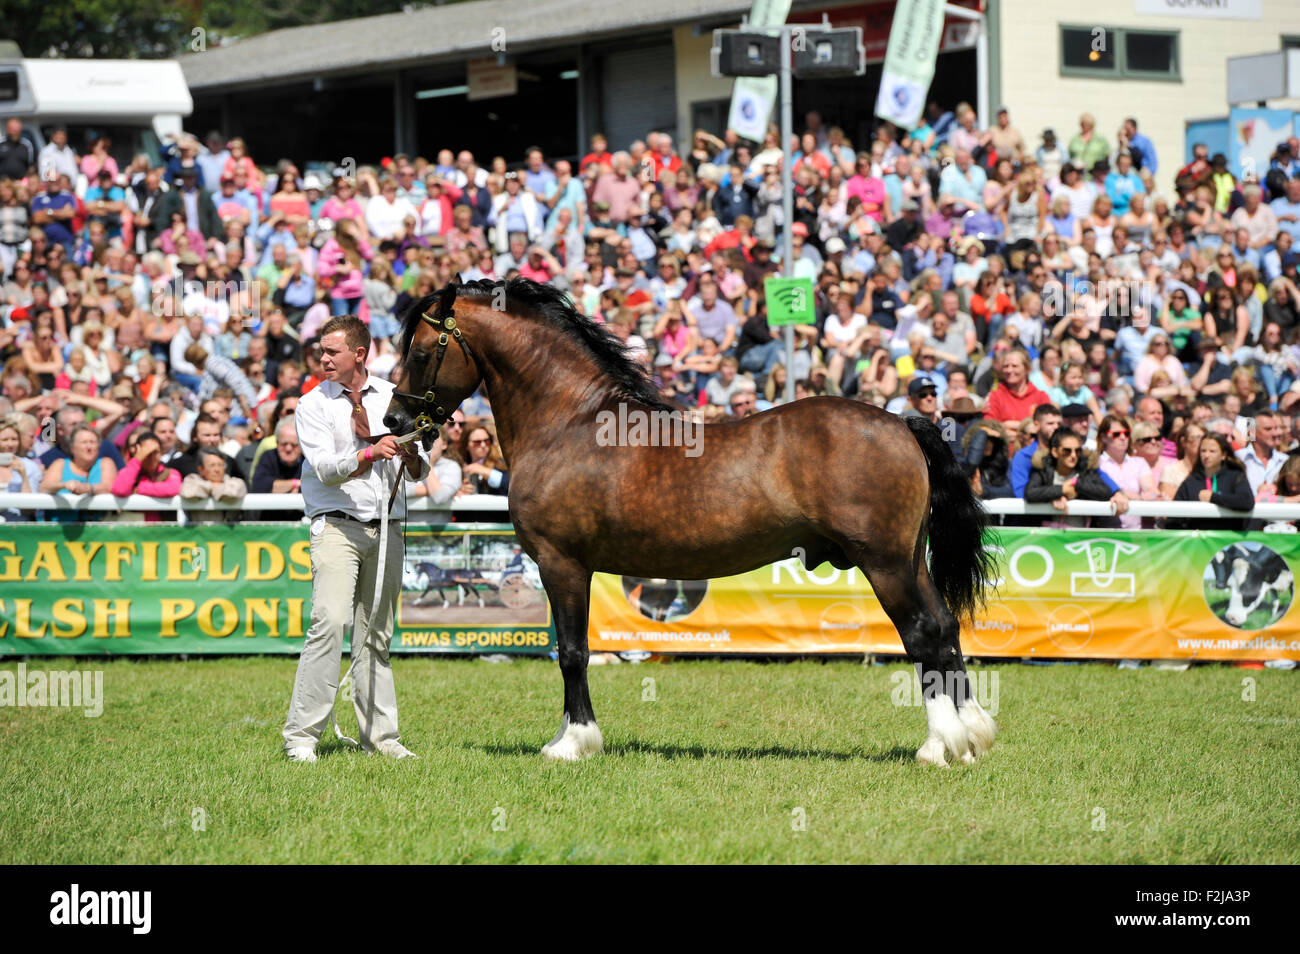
(424, 423)
(430, 397)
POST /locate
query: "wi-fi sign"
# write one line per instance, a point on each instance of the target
(792, 298)
(789, 300)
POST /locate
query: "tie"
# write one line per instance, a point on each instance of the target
(360, 420)
(361, 428)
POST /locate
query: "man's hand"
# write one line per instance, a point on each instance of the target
(386, 447)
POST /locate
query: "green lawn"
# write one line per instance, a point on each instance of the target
(713, 770)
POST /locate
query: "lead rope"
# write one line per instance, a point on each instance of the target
(379, 583)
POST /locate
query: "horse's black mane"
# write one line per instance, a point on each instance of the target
(551, 304)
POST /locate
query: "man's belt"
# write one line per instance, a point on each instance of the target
(347, 516)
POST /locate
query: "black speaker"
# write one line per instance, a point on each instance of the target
(746, 54)
(825, 53)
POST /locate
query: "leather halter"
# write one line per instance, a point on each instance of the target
(434, 413)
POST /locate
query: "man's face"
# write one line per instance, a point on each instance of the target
(337, 360)
(949, 306)
(708, 293)
(69, 420)
(517, 246)
(742, 403)
(165, 429)
(1149, 410)
(286, 443)
(14, 129)
(207, 434)
(1048, 425)
(288, 376)
(213, 469)
(939, 325)
(563, 170)
(926, 401)
(1079, 425)
(1270, 431)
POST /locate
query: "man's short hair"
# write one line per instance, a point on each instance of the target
(1045, 411)
(196, 355)
(355, 333)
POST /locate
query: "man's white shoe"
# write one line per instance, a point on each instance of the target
(393, 749)
(302, 753)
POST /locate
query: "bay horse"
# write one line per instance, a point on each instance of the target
(824, 479)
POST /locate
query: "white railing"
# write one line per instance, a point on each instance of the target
(488, 502)
(254, 502)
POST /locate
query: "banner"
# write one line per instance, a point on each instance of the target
(909, 61)
(1074, 594)
(752, 97)
(1253, 134)
(100, 588)
(88, 589)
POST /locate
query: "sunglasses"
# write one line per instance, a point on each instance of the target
(1069, 452)
(1117, 434)
(484, 440)
(1147, 440)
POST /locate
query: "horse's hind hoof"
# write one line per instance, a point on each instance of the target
(574, 742)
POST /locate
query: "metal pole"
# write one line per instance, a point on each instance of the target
(787, 194)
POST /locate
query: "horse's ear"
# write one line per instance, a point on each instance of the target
(447, 300)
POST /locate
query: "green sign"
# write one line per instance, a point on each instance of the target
(100, 588)
(790, 301)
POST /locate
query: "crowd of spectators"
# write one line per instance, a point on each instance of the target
(1083, 321)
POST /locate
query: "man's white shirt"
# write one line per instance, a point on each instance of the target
(329, 452)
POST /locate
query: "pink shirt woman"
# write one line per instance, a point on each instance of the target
(872, 193)
(1131, 473)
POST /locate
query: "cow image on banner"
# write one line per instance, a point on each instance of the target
(1248, 585)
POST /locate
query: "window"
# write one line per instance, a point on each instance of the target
(1107, 53)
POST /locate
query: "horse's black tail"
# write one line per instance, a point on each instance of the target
(959, 565)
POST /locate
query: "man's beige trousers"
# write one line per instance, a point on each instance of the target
(344, 560)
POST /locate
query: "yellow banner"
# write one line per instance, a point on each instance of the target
(1073, 594)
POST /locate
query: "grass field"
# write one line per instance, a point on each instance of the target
(1091, 764)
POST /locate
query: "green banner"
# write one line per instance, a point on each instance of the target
(790, 301)
(100, 588)
(914, 38)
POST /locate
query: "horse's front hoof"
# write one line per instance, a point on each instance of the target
(932, 753)
(574, 742)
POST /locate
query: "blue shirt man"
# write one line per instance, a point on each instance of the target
(107, 192)
(54, 199)
(964, 184)
(1288, 205)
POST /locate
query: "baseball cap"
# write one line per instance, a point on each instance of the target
(918, 385)
(799, 229)
(834, 245)
(909, 205)
(1074, 410)
(312, 182)
(1290, 258)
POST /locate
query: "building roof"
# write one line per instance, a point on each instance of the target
(451, 32)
